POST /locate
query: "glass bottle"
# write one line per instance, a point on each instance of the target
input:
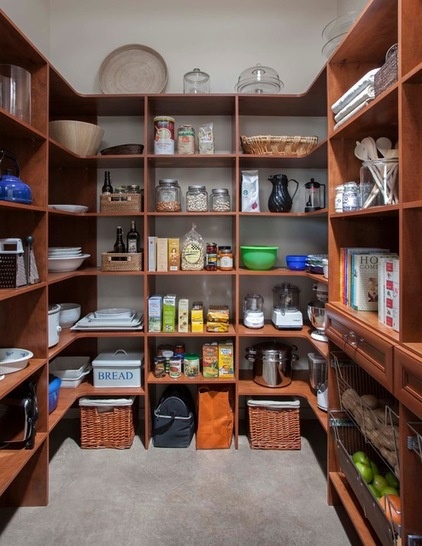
(133, 239)
(119, 245)
(107, 187)
(167, 196)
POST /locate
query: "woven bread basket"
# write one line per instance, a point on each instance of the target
(288, 146)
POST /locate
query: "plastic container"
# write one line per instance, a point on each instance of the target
(197, 199)
(220, 200)
(168, 196)
(53, 392)
(15, 91)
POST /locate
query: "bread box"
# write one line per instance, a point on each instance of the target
(118, 369)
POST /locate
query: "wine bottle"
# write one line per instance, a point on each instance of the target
(107, 187)
(119, 245)
(133, 239)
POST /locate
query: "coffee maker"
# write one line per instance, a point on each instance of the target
(286, 314)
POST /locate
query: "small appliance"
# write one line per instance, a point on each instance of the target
(317, 316)
(318, 379)
(315, 196)
(286, 314)
(253, 311)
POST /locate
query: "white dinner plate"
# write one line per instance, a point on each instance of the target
(69, 208)
(114, 312)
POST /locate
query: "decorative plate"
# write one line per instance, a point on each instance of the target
(69, 208)
(133, 69)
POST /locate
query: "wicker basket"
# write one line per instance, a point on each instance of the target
(288, 146)
(107, 426)
(272, 427)
(121, 202)
(388, 73)
(121, 261)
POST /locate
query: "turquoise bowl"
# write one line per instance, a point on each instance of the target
(258, 258)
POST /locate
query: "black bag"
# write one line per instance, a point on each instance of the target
(174, 418)
(18, 417)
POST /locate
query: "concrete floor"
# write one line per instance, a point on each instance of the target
(182, 497)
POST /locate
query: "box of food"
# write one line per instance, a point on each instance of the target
(162, 254)
(152, 258)
(183, 315)
(118, 369)
(218, 317)
(174, 255)
(197, 316)
(210, 360)
(154, 313)
(169, 313)
(226, 360)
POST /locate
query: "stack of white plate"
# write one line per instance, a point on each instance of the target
(65, 258)
(111, 319)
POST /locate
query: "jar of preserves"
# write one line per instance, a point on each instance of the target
(350, 197)
(220, 200)
(211, 257)
(196, 199)
(225, 258)
(167, 196)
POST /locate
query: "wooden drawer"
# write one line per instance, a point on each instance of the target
(363, 345)
(408, 380)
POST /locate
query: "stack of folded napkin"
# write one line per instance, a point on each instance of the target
(356, 98)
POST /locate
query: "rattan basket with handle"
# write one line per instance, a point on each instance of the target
(288, 146)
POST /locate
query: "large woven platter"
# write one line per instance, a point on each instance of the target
(288, 146)
(133, 69)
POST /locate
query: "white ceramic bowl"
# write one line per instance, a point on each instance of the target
(14, 359)
(69, 314)
(59, 264)
(79, 137)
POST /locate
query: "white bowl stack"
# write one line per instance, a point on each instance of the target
(63, 259)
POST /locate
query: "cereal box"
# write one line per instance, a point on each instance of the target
(210, 360)
(226, 360)
(154, 313)
(183, 315)
(169, 313)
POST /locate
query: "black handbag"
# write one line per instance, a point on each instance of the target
(174, 418)
(18, 417)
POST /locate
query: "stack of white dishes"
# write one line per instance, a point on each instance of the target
(65, 258)
(111, 319)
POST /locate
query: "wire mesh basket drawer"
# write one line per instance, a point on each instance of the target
(274, 424)
(107, 423)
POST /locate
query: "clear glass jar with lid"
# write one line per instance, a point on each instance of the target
(220, 200)
(197, 199)
(196, 81)
(168, 196)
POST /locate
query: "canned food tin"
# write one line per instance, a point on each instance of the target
(175, 366)
(191, 364)
(159, 366)
(164, 135)
(186, 140)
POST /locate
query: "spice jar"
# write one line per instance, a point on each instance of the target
(196, 199)
(225, 258)
(350, 197)
(220, 200)
(167, 196)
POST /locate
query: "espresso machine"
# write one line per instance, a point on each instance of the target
(286, 314)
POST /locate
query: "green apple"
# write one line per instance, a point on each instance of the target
(389, 491)
(361, 457)
(374, 491)
(379, 482)
(365, 471)
(375, 468)
(392, 480)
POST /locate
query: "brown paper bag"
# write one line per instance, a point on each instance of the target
(215, 419)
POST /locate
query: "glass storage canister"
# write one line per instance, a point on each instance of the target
(168, 196)
(197, 199)
(196, 81)
(350, 197)
(220, 200)
(378, 182)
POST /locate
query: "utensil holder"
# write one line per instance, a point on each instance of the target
(378, 183)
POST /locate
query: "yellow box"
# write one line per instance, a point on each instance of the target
(174, 255)
(197, 317)
(226, 360)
